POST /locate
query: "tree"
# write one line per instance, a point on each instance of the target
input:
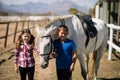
(92, 12)
(73, 11)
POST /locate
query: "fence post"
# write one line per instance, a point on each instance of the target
(23, 24)
(110, 44)
(15, 31)
(6, 34)
(28, 24)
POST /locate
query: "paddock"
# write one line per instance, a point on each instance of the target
(109, 70)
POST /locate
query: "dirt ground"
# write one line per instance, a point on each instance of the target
(109, 70)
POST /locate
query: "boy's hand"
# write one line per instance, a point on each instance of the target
(74, 57)
(72, 67)
(54, 54)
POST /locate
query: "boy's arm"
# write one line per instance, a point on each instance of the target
(74, 58)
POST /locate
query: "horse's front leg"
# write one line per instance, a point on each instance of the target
(82, 65)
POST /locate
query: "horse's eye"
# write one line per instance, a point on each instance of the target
(48, 44)
(47, 38)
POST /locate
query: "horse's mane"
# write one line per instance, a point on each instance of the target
(55, 20)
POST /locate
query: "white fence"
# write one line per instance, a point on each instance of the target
(110, 41)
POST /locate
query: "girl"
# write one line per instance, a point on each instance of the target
(24, 60)
(66, 54)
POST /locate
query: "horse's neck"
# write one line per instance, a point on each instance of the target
(76, 32)
(57, 24)
(54, 37)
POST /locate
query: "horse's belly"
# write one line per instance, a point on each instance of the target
(95, 43)
(91, 45)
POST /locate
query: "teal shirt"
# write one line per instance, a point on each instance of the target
(64, 51)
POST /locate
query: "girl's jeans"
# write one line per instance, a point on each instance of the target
(24, 71)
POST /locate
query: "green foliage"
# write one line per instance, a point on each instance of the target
(91, 11)
(73, 11)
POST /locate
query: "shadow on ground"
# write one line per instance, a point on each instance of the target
(108, 78)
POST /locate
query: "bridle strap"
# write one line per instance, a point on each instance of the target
(52, 47)
(44, 54)
(46, 36)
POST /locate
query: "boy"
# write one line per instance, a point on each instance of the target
(66, 54)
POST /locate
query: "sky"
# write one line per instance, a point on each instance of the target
(88, 3)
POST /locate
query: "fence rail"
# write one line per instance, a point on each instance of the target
(30, 25)
(110, 41)
(15, 30)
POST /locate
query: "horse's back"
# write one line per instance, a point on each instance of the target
(102, 31)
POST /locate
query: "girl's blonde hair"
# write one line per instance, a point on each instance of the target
(19, 40)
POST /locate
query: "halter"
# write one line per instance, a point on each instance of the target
(51, 48)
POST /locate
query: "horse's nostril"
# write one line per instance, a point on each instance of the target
(46, 64)
(43, 66)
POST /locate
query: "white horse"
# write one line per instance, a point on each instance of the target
(97, 44)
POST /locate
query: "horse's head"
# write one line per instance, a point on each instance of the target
(45, 44)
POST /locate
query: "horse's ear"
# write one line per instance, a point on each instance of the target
(51, 30)
(54, 30)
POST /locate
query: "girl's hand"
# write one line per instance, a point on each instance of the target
(16, 68)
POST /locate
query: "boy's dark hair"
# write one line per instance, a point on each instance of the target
(64, 26)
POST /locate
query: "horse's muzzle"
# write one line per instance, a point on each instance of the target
(44, 65)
